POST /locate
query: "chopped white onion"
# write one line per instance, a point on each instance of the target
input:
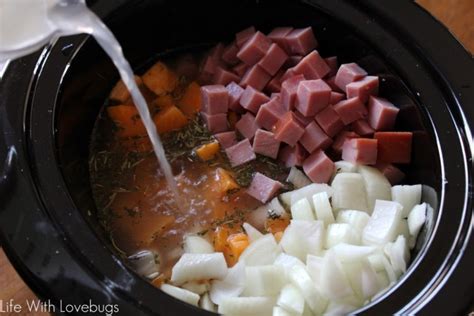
(264, 280)
(341, 233)
(253, 233)
(145, 263)
(286, 261)
(280, 311)
(349, 192)
(231, 286)
(298, 178)
(261, 252)
(376, 186)
(416, 219)
(291, 197)
(276, 208)
(291, 299)
(407, 195)
(345, 166)
(356, 219)
(334, 282)
(197, 244)
(206, 303)
(300, 278)
(302, 238)
(247, 306)
(302, 210)
(322, 208)
(349, 253)
(399, 255)
(313, 266)
(383, 224)
(196, 287)
(194, 266)
(181, 294)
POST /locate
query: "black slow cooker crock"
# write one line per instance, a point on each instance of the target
(50, 100)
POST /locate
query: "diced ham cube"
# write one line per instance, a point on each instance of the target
(382, 114)
(242, 36)
(341, 138)
(289, 89)
(240, 153)
(314, 138)
(301, 41)
(318, 167)
(223, 76)
(362, 128)
(363, 88)
(256, 77)
(361, 151)
(289, 73)
(288, 129)
(274, 58)
(275, 95)
(215, 123)
(350, 110)
(392, 173)
(229, 54)
(279, 34)
(269, 113)
(348, 73)
(247, 125)
(251, 99)
(312, 96)
(274, 85)
(333, 65)
(240, 69)
(263, 188)
(214, 99)
(329, 121)
(304, 120)
(226, 139)
(292, 61)
(208, 69)
(394, 147)
(331, 81)
(292, 156)
(312, 66)
(265, 144)
(254, 49)
(235, 92)
(336, 97)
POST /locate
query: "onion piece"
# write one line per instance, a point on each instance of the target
(345, 166)
(313, 266)
(349, 253)
(349, 192)
(382, 226)
(302, 210)
(376, 186)
(322, 208)
(290, 197)
(264, 280)
(356, 219)
(286, 261)
(399, 255)
(298, 178)
(276, 208)
(196, 287)
(302, 238)
(407, 195)
(291, 299)
(261, 252)
(197, 244)
(181, 294)
(253, 233)
(300, 278)
(280, 311)
(206, 303)
(334, 283)
(194, 266)
(145, 263)
(341, 233)
(416, 220)
(246, 306)
(231, 286)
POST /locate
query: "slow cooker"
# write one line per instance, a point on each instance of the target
(51, 99)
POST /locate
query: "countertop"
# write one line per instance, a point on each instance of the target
(457, 15)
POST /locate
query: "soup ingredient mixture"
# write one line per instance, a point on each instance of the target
(270, 219)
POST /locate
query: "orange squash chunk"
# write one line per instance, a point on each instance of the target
(237, 244)
(224, 181)
(120, 92)
(127, 119)
(276, 225)
(190, 102)
(160, 79)
(162, 102)
(169, 119)
(208, 151)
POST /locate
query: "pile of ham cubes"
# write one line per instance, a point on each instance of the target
(293, 105)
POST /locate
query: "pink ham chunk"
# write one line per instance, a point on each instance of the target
(363, 88)
(301, 41)
(341, 138)
(240, 69)
(265, 144)
(215, 123)
(214, 99)
(312, 96)
(251, 99)
(278, 35)
(292, 156)
(254, 49)
(263, 188)
(223, 76)
(361, 151)
(242, 36)
(304, 120)
(275, 95)
(329, 121)
(240, 153)
(274, 58)
(312, 66)
(208, 68)
(226, 139)
(229, 54)
(292, 61)
(235, 92)
(288, 129)
(256, 77)
(362, 128)
(331, 81)
(333, 65)
(269, 113)
(247, 125)
(274, 85)
(348, 73)
(382, 114)
(394, 147)
(392, 173)
(350, 110)
(289, 89)
(318, 167)
(336, 97)
(314, 138)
